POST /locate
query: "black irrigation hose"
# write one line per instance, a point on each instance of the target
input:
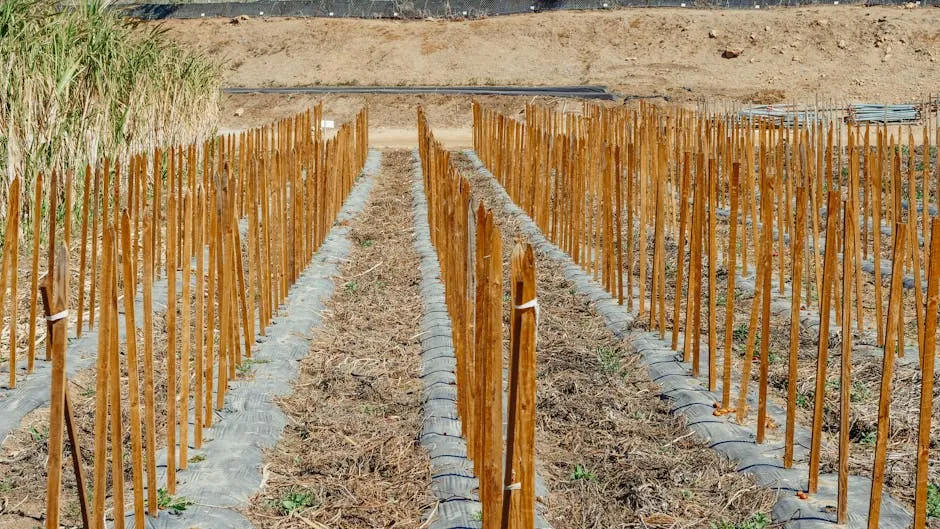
(581, 92)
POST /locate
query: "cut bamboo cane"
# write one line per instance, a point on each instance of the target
(797, 269)
(171, 327)
(34, 275)
(895, 307)
(823, 343)
(845, 363)
(133, 385)
(149, 401)
(59, 277)
(927, 374)
(519, 502)
(712, 275)
(82, 257)
(729, 297)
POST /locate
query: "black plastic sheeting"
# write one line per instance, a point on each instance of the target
(444, 8)
(582, 92)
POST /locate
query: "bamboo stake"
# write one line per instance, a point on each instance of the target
(518, 503)
(102, 382)
(680, 255)
(712, 275)
(149, 411)
(199, 251)
(185, 317)
(84, 253)
(823, 342)
(927, 372)
(59, 276)
(492, 374)
(67, 218)
(797, 268)
(895, 307)
(729, 302)
(34, 275)
(133, 389)
(171, 327)
(845, 376)
(94, 250)
(767, 257)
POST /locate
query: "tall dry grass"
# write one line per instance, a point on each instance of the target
(81, 83)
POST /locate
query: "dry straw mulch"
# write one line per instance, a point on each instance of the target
(350, 456)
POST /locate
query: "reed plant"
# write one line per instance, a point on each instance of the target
(82, 83)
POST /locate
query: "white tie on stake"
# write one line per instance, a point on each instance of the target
(532, 304)
(58, 316)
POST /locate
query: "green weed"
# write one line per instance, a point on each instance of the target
(173, 504)
(758, 521)
(295, 500)
(608, 360)
(933, 500)
(39, 435)
(582, 474)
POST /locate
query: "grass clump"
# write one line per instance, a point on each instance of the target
(82, 83)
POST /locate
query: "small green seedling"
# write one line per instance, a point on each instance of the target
(295, 500)
(39, 435)
(173, 504)
(802, 400)
(758, 521)
(933, 500)
(366, 243)
(582, 474)
(609, 360)
(351, 287)
(860, 392)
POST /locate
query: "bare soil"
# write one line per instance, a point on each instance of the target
(843, 53)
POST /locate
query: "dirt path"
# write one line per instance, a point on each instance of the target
(349, 455)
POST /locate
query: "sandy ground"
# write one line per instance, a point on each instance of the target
(796, 54)
(834, 54)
